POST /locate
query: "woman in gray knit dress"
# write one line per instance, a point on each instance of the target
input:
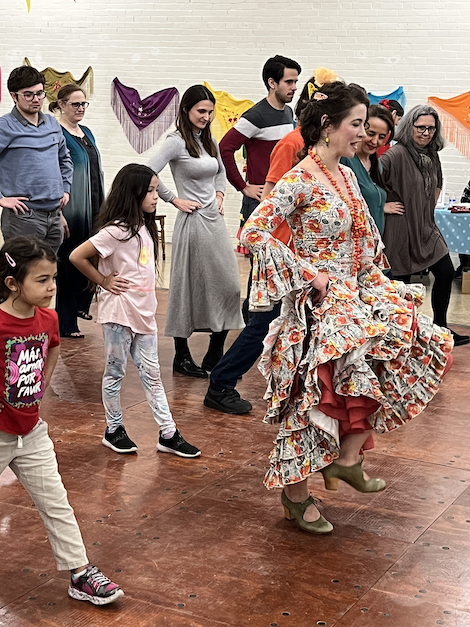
(204, 278)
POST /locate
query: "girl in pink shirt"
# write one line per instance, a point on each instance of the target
(126, 245)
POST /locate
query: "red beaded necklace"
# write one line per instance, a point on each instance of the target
(359, 226)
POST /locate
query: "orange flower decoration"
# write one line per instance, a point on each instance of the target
(295, 336)
(253, 238)
(313, 226)
(266, 210)
(307, 275)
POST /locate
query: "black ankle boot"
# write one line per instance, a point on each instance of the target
(215, 350)
(183, 362)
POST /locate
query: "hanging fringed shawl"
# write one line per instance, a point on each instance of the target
(454, 116)
(55, 80)
(144, 121)
(398, 95)
(228, 111)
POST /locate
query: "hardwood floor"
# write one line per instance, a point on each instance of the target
(201, 543)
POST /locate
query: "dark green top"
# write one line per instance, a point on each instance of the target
(374, 195)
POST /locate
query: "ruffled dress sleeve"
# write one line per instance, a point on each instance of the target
(277, 271)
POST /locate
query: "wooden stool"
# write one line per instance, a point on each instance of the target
(161, 220)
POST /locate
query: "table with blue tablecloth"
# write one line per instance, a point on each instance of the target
(455, 227)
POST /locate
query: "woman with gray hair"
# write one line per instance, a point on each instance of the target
(412, 175)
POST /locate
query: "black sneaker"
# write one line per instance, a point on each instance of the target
(119, 441)
(177, 445)
(227, 400)
(460, 340)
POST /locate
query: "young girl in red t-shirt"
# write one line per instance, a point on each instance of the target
(29, 349)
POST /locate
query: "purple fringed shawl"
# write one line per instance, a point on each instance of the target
(144, 121)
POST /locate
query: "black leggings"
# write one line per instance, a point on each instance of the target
(443, 271)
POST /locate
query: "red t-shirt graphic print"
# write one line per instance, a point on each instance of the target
(24, 344)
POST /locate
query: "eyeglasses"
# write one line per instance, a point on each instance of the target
(30, 95)
(423, 129)
(77, 105)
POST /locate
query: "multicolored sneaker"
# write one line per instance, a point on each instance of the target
(177, 445)
(93, 586)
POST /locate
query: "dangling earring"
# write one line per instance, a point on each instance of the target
(327, 141)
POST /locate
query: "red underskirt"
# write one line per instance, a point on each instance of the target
(350, 411)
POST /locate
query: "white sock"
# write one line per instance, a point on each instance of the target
(168, 436)
(75, 576)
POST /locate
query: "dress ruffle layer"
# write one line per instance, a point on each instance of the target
(363, 356)
(380, 349)
(276, 274)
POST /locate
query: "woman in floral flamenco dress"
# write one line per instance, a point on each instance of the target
(349, 354)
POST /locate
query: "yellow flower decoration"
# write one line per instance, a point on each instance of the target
(144, 256)
(324, 75)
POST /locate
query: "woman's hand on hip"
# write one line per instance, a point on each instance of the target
(320, 283)
(394, 207)
(187, 206)
(220, 203)
(115, 284)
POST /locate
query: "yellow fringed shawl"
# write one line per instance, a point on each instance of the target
(227, 111)
(55, 80)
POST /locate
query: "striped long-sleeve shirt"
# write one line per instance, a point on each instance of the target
(259, 129)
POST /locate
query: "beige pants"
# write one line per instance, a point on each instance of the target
(32, 459)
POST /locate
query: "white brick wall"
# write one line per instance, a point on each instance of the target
(380, 44)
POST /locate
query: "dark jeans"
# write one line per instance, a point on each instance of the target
(246, 349)
(443, 271)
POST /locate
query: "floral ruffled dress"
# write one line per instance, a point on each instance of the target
(364, 356)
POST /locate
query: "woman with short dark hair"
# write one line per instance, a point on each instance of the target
(412, 175)
(204, 278)
(367, 167)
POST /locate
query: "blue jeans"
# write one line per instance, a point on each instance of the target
(119, 342)
(246, 349)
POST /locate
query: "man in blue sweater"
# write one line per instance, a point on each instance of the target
(35, 165)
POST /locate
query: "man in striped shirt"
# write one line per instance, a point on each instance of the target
(259, 129)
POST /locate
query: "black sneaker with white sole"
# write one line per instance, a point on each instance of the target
(119, 441)
(177, 445)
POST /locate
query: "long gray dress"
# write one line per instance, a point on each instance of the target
(204, 278)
